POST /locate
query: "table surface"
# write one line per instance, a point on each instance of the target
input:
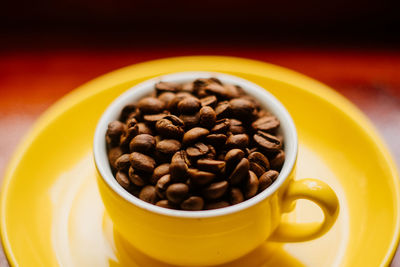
(32, 80)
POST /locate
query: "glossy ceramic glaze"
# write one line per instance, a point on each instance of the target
(52, 214)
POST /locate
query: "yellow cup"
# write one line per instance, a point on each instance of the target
(199, 238)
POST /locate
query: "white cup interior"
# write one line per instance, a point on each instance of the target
(134, 94)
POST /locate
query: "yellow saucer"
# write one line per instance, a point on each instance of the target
(52, 214)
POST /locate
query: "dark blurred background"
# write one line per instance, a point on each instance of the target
(310, 22)
(48, 48)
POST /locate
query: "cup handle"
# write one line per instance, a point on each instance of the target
(322, 195)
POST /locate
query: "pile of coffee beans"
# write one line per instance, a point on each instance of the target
(195, 146)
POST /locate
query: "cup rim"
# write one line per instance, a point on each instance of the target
(133, 94)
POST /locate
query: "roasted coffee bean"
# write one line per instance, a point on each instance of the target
(210, 165)
(258, 163)
(137, 115)
(257, 169)
(166, 204)
(184, 94)
(242, 108)
(115, 129)
(162, 185)
(150, 105)
(178, 167)
(181, 155)
(126, 111)
(211, 152)
(215, 87)
(193, 203)
(251, 150)
(148, 194)
(216, 205)
(278, 160)
(200, 177)
(135, 178)
(122, 162)
(236, 127)
(199, 84)
(280, 137)
(197, 150)
(122, 179)
(231, 91)
(267, 142)
(240, 172)
(223, 110)
(172, 105)
(159, 172)
(253, 100)
(166, 87)
(242, 92)
(217, 90)
(143, 128)
(191, 120)
(214, 80)
(113, 154)
(134, 190)
(207, 117)
(267, 179)
(166, 128)
(221, 156)
(178, 170)
(175, 120)
(166, 97)
(251, 186)
(153, 94)
(187, 87)
(216, 139)
(215, 190)
(158, 138)
(176, 193)
(194, 134)
(263, 113)
(170, 127)
(232, 158)
(266, 123)
(143, 143)
(202, 93)
(259, 158)
(114, 132)
(142, 162)
(221, 126)
(128, 136)
(154, 117)
(235, 196)
(168, 146)
(189, 105)
(161, 158)
(131, 122)
(209, 101)
(240, 141)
